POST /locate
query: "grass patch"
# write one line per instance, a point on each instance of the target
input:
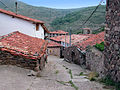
(81, 74)
(68, 83)
(62, 82)
(57, 71)
(70, 72)
(73, 85)
(92, 76)
(109, 82)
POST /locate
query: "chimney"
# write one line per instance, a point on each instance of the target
(16, 7)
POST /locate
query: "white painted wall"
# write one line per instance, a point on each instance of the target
(9, 24)
(63, 44)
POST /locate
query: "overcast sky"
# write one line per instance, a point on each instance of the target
(63, 4)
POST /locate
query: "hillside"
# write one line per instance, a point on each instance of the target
(59, 18)
(76, 19)
(41, 13)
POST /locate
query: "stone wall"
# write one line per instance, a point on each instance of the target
(91, 59)
(8, 59)
(95, 60)
(112, 40)
(73, 54)
(54, 51)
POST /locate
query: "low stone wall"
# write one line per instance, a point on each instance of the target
(73, 54)
(95, 61)
(92, 58)
(8, 59)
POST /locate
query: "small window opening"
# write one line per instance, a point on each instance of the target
(88, 31)
(73, 55)
(37, 27)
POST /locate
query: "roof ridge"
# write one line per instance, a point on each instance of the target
(20, 16)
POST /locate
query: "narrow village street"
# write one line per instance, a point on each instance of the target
(57, 75)
(59, 45)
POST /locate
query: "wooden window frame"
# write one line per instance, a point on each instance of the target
(37, 26)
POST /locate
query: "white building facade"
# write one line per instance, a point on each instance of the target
(9, 22)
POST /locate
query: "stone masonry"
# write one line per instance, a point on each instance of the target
(7, 58)
(74, 54)
(112, 40)
(95, 60)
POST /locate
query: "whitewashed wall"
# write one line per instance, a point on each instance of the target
(65, 44)
(9, 24)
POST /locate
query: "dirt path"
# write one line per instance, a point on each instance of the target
(57, 75)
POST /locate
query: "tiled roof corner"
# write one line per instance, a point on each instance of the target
(21, 44)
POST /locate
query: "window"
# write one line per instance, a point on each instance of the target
(88, 31)
(37, 27)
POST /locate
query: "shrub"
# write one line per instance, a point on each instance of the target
(100, 46)
(109, 82)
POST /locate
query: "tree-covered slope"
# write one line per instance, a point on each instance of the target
(59, 18)
(76, 19)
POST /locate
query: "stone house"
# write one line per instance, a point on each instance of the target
(77, 52)
(54, 48)
(74, 54)
(11, 22)
(22, 50)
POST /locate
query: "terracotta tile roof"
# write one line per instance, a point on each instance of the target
(54, 44)
(59, 32)
(20, 44)
(98, 38)
(74, 38)
(20, 16)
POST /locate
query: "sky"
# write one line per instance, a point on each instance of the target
(62, 4)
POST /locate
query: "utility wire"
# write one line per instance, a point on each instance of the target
(5, 5)
(92, 13)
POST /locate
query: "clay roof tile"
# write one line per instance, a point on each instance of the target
(21, 44)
